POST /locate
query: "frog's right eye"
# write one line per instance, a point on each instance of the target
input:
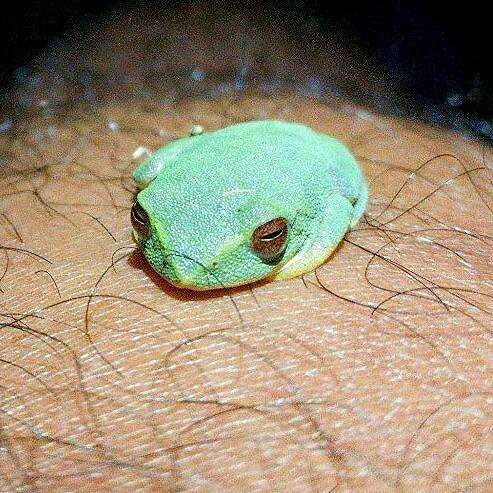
(140, 220)
(268, 241)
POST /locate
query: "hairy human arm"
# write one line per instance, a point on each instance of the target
(372, 374)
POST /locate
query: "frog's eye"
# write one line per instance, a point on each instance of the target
(269, 239)
(140, 220)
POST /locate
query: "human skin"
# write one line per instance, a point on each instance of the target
(372, 374)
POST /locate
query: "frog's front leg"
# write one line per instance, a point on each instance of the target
(328, 229)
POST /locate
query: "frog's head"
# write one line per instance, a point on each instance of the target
(205, 246)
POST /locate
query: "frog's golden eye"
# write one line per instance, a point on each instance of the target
(269, 239)
(140, 220)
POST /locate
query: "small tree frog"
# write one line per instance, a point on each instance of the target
(256, 200)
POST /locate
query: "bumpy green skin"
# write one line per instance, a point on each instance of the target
(206, 194)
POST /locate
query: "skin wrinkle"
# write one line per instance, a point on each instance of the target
(373, 373)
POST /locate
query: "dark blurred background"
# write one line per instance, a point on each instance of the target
(435, 51)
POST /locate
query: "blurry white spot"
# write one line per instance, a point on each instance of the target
(112, 125)
(485, 127)
(44, 103)
(37, 311)
(315, 86)
(6, 125)
(412, 176)
(141, 151)
(196, 130)
(198, 74)
(425, 239)
(312, 373)
(364, 115)
(52, 130)
(455, 99)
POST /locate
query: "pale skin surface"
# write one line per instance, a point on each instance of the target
(113, 380)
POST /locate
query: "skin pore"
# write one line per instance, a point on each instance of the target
(373, 373)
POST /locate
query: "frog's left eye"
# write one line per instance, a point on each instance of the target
(269, 239)
(140, 220)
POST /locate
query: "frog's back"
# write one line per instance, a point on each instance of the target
(268, 156)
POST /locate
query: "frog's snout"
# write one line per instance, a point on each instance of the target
(186, 272)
